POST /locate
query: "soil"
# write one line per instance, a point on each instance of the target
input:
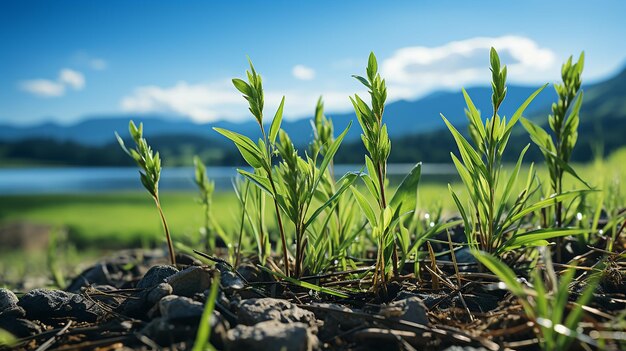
(135, 301)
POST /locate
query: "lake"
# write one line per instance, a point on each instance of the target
(14, 181)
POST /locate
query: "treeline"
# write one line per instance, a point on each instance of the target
(178, 150)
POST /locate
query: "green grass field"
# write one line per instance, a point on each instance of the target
(98, 223)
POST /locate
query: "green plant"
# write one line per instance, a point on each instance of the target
(204, 328)
(563, 122)
(252, 217)
(206, 188)
(378, 146)
(6, 338)
(545, 305)
(332, 238)
(150, 172)
(490, 224)
(53, 259)
(259, 156)
(299, 184)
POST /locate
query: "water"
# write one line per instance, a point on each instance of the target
(14, 181)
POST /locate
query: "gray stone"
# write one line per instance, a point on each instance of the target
(190, 281)
(165, 331)
(336, 321)
(231, 281)
(46, 305)
(141, 303)
(98, 274)
(155, 276)
(158, 292)
(179, 307)
(253, 311)
(272, 336)
(19, 327)
(8, 300)
(411, 309)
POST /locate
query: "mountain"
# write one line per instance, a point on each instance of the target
(402, 118)
(416, 129)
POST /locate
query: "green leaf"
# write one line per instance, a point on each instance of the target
(545, 203)
(275, 127)
(329, 155)
(246, 147)
(506, 274)
(305, 285)
(242, 86)
(474, 115)
(204, 328)
(405, 197)
(365, 206)
(538, 135)
(522, 108)
(539, 235)
(262, 182)
(350, 179)
(363, 81)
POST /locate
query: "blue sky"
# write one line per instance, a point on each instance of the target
(68, 60)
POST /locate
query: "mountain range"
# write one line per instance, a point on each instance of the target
(416, 124)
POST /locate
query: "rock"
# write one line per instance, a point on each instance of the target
(8, 300)
(158, 292)
(8, 304)
(190, 281)
(272, 336)
(141, 303)
(166, 332)
(178, 307)
(411, 309)
(155, 276)
(46, 305)
(231, 281)
(19, 327)
(253, 311)
(335, 322)
(252, 274)
(98, 274)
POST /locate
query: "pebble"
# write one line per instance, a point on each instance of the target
(46, 305)
(272, 336)
(190, 281)
(178, 307)
(253, 311)
(155, 276)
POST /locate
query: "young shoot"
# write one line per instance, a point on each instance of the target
(206, 188)
(545, 303)
(378, 146)
(300, 182)
(490, 223)
(259, 155)
(563, 121)
(149, 164)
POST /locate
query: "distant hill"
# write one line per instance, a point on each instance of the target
(403, 118)
(416, 129)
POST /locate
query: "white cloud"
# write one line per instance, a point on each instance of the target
(71, 78)
(43, 87)
(206, 102)
(414, 71)
(50, 88)
(303, 72)
(98, 64)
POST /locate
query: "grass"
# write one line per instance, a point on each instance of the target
(127, 219)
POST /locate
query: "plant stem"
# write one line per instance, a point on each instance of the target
(280, 225)
(243, 216)
(170, 245)
(383, 204)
